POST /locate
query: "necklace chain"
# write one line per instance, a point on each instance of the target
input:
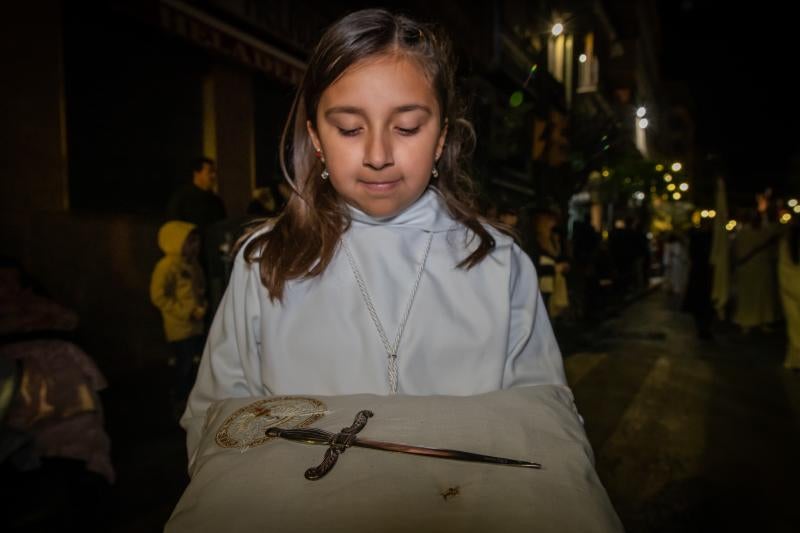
(391, 350)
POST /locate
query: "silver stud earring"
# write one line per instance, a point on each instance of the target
(435, 173)
(325, 174)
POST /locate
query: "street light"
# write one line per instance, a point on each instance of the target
(676, 167)
(558, 29)
(641, 112)
(582, 58)
(643, 123)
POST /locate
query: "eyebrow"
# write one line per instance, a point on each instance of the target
(352, 110)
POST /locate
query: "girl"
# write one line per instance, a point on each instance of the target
(378, 277)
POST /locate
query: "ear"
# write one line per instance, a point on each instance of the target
(313, 134)
(440, 143)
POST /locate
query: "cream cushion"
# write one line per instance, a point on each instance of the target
(258, 485)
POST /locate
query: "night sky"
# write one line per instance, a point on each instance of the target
(740, 63)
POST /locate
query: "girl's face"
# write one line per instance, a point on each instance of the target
(379, 131)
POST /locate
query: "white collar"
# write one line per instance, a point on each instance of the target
(429, 213)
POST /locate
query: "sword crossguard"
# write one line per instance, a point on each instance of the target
(337, 442)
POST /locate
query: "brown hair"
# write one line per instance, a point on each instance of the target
(302, 241)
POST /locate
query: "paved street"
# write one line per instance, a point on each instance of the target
(690, 435)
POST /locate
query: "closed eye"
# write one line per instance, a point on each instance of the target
(349, 133)
(408, 131)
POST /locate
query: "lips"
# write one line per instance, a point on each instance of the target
(380, 186)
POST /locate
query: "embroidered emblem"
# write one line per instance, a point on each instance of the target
(247, 426)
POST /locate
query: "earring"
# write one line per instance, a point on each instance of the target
(325, 174)
(435, 173)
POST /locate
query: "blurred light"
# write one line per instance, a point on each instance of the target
(649, 236)
(684, 187)
(711, 213)
(641, 112)
(659, 167)
(671, 187)
(558, 29)
(730, 225)
(606, 173)
(792, 202)
(704, 213)
(785, 218)
(796, 209)
(639, 195)
(582, 58)
(676, 196)
(667, 177)
(643, 123)
(516, 99)
(676, 167)
(605, 234)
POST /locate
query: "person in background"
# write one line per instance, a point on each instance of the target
(789, 281)
(177, 289)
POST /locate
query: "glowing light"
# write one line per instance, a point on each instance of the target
(606, 173)
(582, 58)
(711, 213)
(730, 225)
(785, 218)
(516, 99)
(796, 209)
(704, 213)
(557, 29)
(641, 112)
(676, 167)
(659, 167)
(676, 196)
(684, 187)
(667, 177)
(643, 123)
(671, 187)
(792, 202)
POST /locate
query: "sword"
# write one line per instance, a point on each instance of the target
(339, 442)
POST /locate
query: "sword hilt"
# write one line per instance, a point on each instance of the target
(337, 442)
(306, 435)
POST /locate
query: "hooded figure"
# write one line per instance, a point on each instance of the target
(177, 286)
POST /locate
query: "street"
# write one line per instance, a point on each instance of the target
(689, 435)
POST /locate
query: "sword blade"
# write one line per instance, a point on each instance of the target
(441, 453)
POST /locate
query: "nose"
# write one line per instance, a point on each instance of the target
(378, 151)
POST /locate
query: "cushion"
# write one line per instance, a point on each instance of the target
(243, 481)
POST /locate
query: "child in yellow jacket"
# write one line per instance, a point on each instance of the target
(177, 288)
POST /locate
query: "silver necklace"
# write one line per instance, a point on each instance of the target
(391, 349)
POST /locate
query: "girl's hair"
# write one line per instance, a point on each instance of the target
(302, 241)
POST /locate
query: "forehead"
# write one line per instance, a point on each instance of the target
(377, 85)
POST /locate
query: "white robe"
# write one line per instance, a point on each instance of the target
(469, 331)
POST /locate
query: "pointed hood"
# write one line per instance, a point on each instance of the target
(172, 235)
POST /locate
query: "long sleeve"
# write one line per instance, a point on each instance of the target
(230, 366)
(164, 295)
(533, 356)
